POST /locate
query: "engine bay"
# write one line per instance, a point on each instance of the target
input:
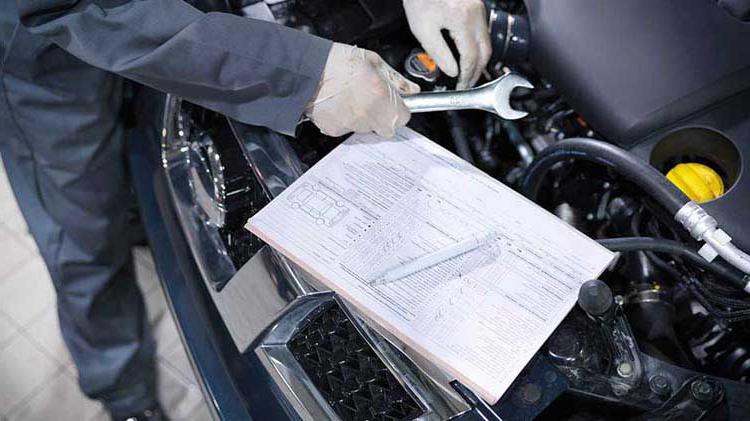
(667, 333)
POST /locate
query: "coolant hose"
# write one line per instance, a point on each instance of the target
(700, 225)
(675, 248)
(626, 164)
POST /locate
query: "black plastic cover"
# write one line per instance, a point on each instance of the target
(737, 8)
(630, 67)
(350, 21)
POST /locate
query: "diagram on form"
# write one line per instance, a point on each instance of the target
(313, 200)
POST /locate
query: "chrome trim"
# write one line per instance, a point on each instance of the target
(286, 371)
(208, 185)
(272, 158)
(300, 281)
(182, 163)
(258, 294)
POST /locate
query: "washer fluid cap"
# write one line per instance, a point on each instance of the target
(699, 182)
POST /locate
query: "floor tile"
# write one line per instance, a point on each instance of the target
(28, 241)
(33, 384)
(160, 318)
(178, 398)
(11, 218)
(13, 221)
(146, 276)
(200, 414)
(69, 403)
(45, 333)
(156, 305)
(8, 330)
(101, 415)
(14, 254)
(25, 369)
(27, 292)
(143, 255)
(165, 331)
(177, 359)
(7, 199)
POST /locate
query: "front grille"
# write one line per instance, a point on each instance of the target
(240, 193)
(240, 244)
(347, 372)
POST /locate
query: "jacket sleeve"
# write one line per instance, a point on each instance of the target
(256, 72)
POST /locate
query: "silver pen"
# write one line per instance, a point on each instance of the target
(431, 259)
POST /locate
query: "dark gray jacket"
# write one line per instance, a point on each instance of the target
(257, 72)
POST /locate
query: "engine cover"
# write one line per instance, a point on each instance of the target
(631, 67)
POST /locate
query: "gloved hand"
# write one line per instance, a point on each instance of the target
(359, 92)
(466, 21)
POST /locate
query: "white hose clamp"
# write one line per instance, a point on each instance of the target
(695, 220)
(718, 237)
(700, 224)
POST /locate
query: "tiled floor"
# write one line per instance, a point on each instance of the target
(37, 376)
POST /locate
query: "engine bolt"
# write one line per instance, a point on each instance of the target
(625, 369)
(530, 393)
(702, 390)
(659, 385)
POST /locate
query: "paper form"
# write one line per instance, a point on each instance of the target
(372, 203)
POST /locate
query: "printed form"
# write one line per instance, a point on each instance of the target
(373, 203)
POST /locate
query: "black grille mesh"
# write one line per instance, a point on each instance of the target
(241, 245)
(347, 372)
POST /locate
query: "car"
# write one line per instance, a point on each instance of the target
(269, 342)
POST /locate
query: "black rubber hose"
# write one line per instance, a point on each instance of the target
(658, 245)
(460, 138)
(626, 164)
(635, 224)
(517, 140)
(510, 36)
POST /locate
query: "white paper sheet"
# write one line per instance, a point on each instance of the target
(372, 203)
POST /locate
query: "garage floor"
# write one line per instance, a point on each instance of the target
(37, 376)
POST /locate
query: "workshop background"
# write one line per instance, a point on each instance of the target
(37, 376)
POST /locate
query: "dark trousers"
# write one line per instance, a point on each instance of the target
(61, 140)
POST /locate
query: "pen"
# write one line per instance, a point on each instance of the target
(431, 259)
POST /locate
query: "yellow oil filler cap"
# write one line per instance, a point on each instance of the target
(699, 182)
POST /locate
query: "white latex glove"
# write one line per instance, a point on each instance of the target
(466, 21)
(359, 92)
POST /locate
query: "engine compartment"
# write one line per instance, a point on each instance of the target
(669, 82)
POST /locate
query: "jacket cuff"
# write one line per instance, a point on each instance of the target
(312, 63)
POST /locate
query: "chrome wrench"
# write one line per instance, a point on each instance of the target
(493, 97)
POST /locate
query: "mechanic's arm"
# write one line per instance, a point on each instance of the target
(257, 72)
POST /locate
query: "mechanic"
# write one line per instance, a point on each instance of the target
(61, 80)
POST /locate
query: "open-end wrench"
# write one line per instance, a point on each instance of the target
(493, 97)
